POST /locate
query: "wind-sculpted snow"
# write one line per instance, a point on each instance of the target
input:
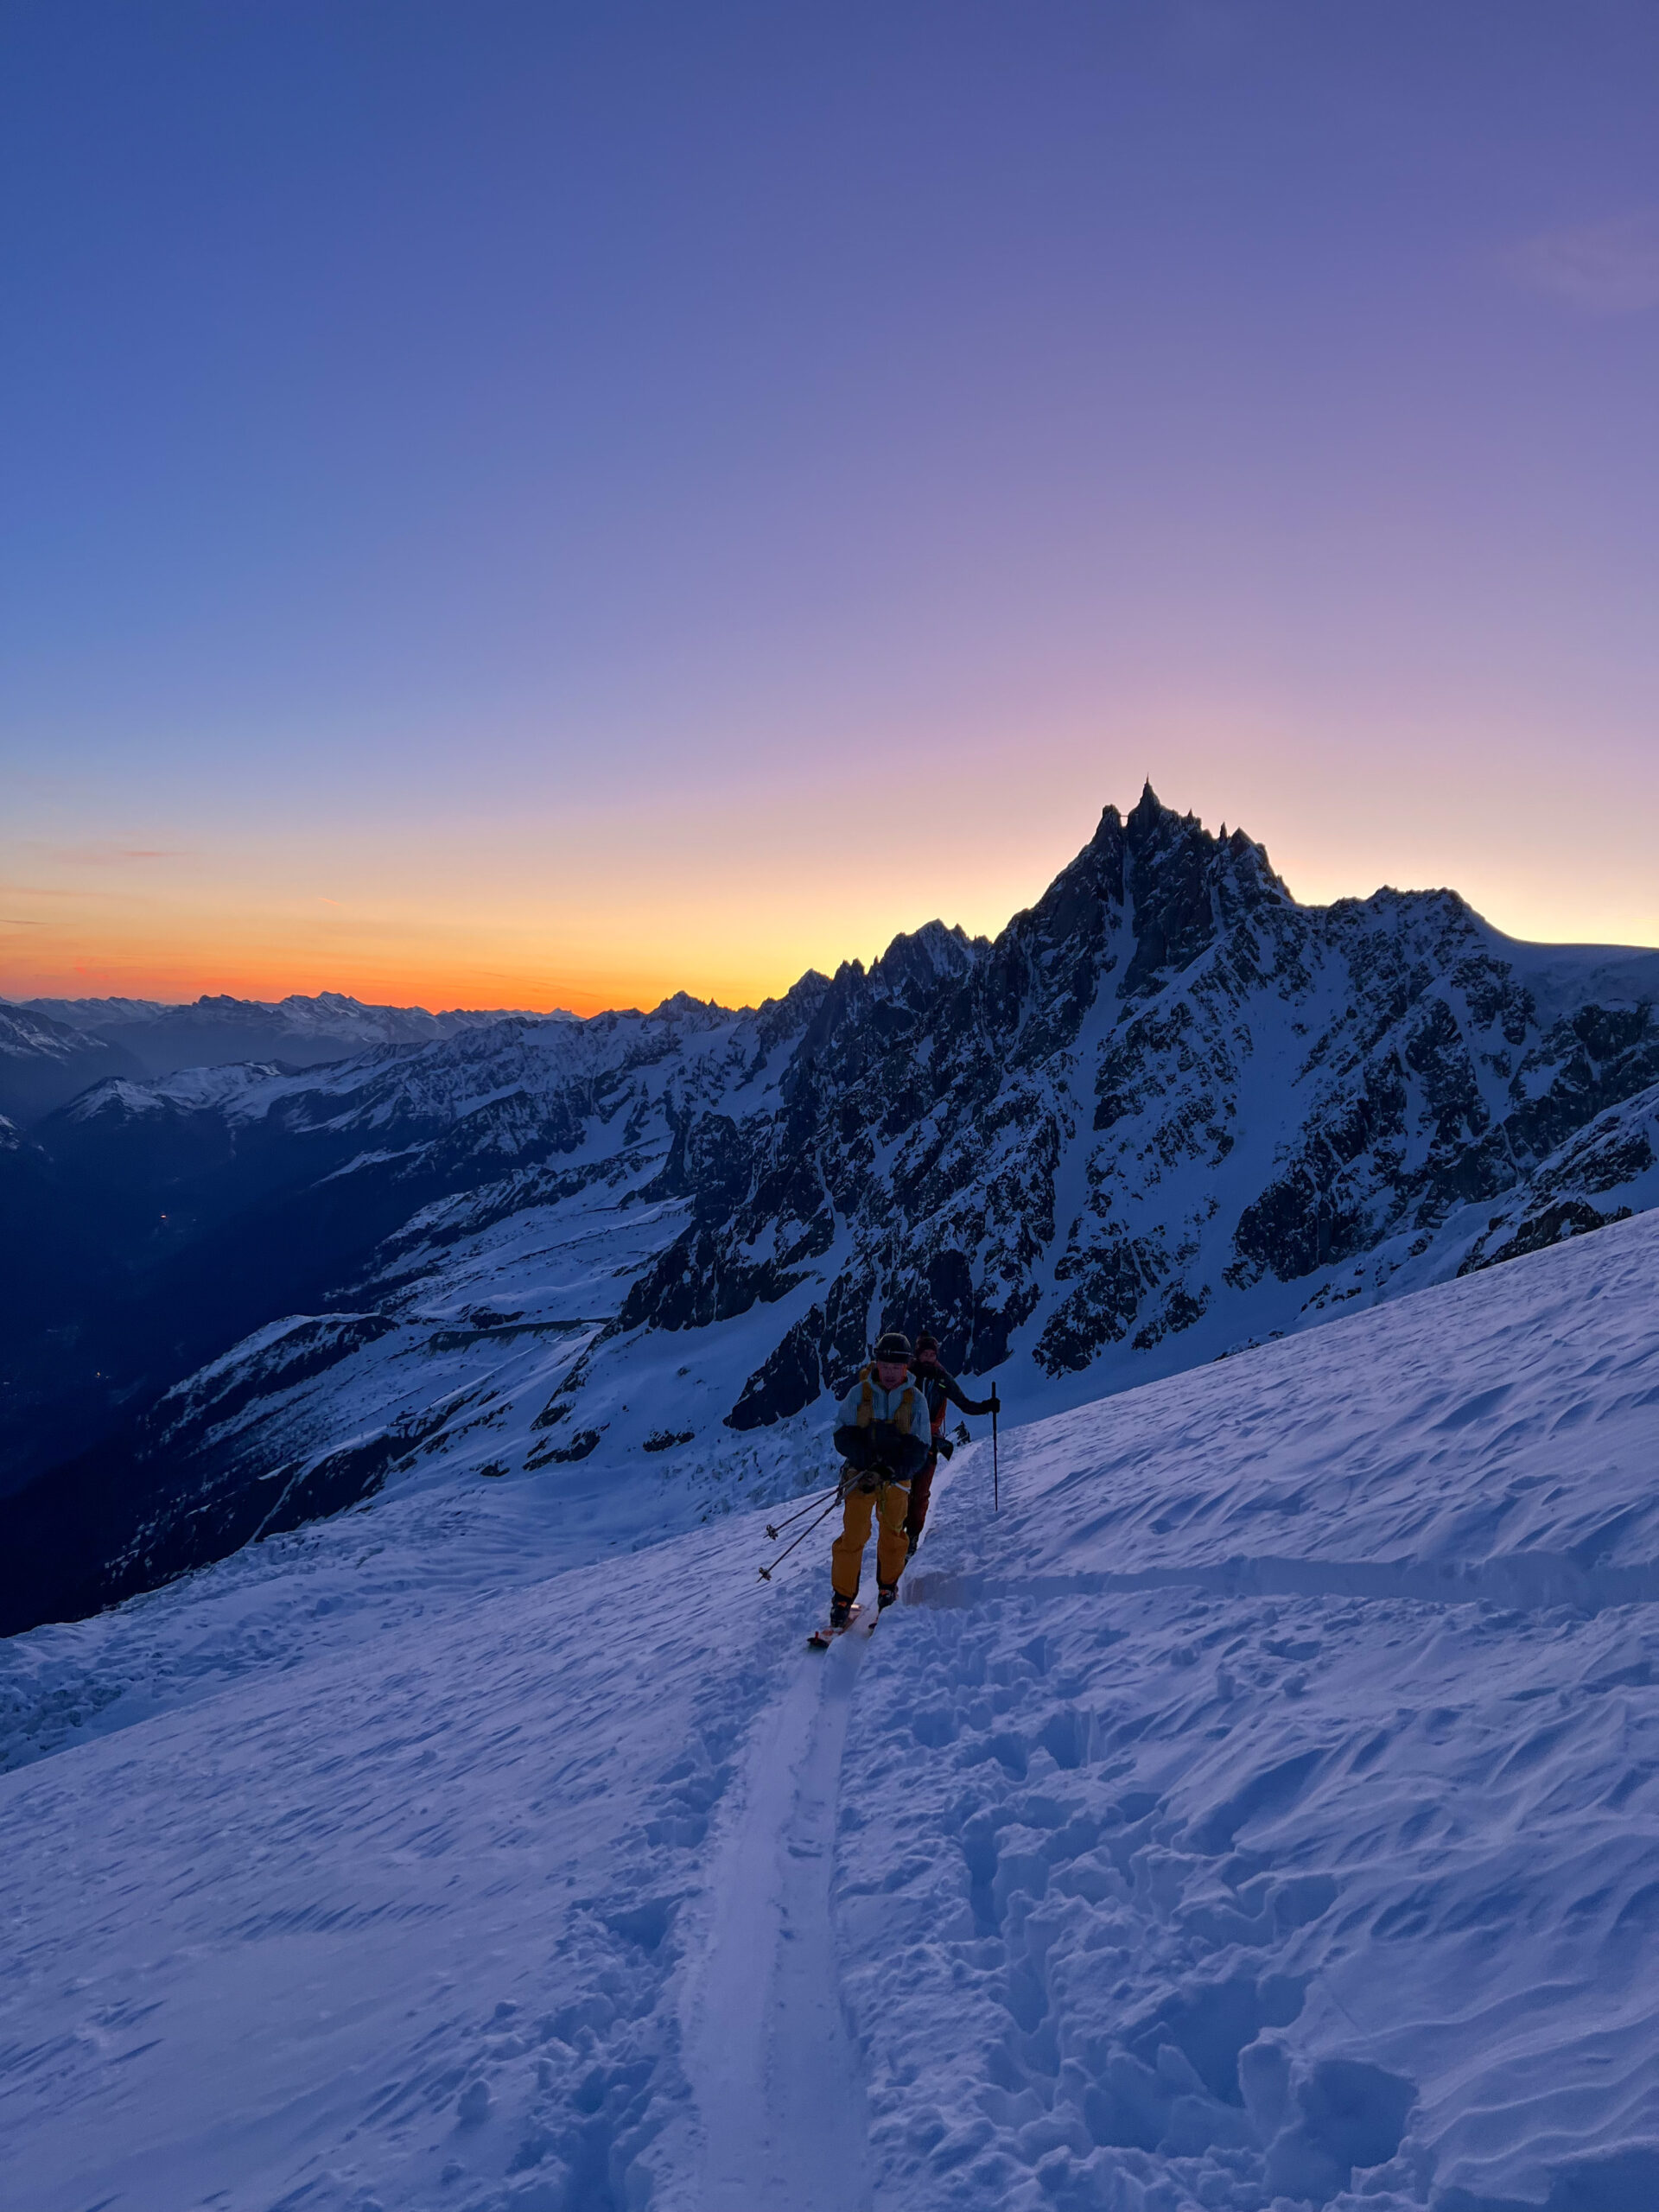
(1380, 1452)
(1258, 1812)
(1279, 1780)
(1168, 1114)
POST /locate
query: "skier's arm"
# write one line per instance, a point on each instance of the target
(856, 1444)
(903, 1456)
(954, 1393)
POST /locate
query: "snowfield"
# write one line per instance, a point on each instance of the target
(1261, 1811)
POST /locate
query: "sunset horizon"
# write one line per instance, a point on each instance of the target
(642, 512)
(59, 964)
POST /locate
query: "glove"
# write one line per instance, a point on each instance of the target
(943, 1445)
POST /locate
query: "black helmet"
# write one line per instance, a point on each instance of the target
(892, 1348)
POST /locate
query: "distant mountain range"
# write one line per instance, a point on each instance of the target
(52, 1049)
(1169, 1112)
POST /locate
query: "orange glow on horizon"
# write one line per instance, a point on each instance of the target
(435, 985)
(624, 906)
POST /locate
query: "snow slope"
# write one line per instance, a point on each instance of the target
(1259, 1810)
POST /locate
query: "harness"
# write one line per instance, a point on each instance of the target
(866, 1404)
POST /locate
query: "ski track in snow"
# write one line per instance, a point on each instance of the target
(1261, 1812)
(780, 2094)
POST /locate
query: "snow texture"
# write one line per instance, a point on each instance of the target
(1261, 1810)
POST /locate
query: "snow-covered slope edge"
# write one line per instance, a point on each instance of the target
(1236, 1818)
(1281, 1779)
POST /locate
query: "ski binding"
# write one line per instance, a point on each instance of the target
(821, 1638)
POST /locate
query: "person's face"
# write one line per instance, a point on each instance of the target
(890, 1373)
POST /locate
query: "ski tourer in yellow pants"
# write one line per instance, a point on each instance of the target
(882, 1434)
(889, 1499)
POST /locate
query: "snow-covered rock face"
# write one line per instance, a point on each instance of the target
(1168, 1113)
(43, 1063)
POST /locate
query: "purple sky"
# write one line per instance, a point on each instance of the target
(545, 504)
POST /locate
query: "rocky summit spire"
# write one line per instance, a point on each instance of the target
(1173, 882)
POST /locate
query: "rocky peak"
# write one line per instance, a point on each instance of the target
(1186, 886)
(915, 964)
(781, 1019)
(682, 1003)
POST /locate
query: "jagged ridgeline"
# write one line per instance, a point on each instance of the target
(1167, 1113)
(1165, 1083)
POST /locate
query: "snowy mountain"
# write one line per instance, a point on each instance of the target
(1259, 1813)
(1169, 1113)
(154, 1039)
(44, 1063)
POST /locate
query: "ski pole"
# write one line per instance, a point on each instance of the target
(996, 1479)
(775, 1528)
(765, 1571)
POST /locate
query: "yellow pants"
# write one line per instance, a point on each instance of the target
(892, 1502)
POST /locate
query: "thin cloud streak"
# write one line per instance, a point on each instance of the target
(104, 855)
(1609, 268)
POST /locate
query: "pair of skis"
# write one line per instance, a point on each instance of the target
(821, 1638)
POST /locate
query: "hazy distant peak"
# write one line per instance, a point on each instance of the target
(682, 1003)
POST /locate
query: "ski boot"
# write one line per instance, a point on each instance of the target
(886, 1594)
(841, 1619)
